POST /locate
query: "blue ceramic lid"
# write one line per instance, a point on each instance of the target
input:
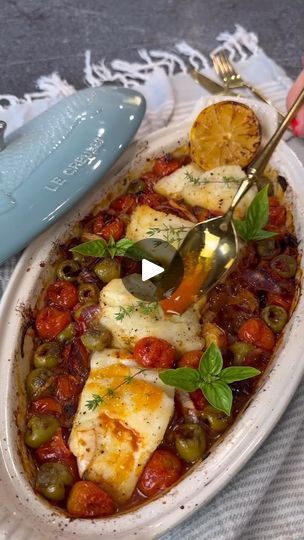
(51, 162)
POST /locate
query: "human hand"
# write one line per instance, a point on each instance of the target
(298, 122)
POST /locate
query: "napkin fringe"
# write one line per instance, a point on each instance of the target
(239, 44)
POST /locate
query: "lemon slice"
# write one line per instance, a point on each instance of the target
(226, 133)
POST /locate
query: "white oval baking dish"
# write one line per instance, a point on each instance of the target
(23, 515)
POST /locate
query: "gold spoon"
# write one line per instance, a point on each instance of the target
(212, 245)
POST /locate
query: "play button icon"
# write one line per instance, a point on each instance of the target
(162, 270)
(150, 270)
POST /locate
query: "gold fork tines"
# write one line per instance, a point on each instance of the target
(232, 79)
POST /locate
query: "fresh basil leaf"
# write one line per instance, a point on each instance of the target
(241, 228)
(258, 211)
(138, 254)
(251, 228)
(236, 373)
(185, 378)
(93, 248)
(263, 235)
(122, 245)
(111, 247)
(211, 362)
(219, 395)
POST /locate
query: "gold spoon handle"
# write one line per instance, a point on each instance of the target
(259, 164)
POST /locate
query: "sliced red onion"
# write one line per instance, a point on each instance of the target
(189, 411)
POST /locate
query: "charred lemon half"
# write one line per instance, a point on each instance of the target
(226, 133)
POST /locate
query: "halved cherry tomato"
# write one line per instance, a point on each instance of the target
(280, 300)
(257, 332)
(62, 294)
(50, 321)
(151, 199)
(108, 225)
(76, 358)
(165, 165)
(124, 204)
(190, 359)
(163, 470)
(128, 266)
(46, 405)
(54, 449)
(154, 352)
(198, 399)
(88, 500)
(277, 212)
(149, 179)
(66, 387)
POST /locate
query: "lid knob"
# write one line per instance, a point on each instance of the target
(3, 127)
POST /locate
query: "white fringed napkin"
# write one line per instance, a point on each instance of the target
(266, 499)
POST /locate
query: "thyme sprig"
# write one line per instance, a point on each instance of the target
(201, 181)
(143, 307)
(98, 400)
(170, 234)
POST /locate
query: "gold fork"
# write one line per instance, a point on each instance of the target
(232, 79)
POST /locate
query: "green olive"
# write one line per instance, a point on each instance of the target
(67, 333)
(217, 420)
(107, 270)
(137, 186)
(190, 442)
(47, 355)
(240, 351)
(96, 339)
(68, 270)
(275, 317)
(39, 430)
(38, 382)
(284, 265)
(88, 292)
(267, 248)
(52, 479)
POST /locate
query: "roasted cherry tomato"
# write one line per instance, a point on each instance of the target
(124, 204)
(46, 405)
(77, 358)
(88, 500)
(280, 300)
(257, 332)
(154, 352)
(151, 199)
(54, 449)
(66, 388)
(50, 321)
(108, 226)
(163, 470)
(62, 294)
(190, 359)
(277, 215)
(165, 165)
